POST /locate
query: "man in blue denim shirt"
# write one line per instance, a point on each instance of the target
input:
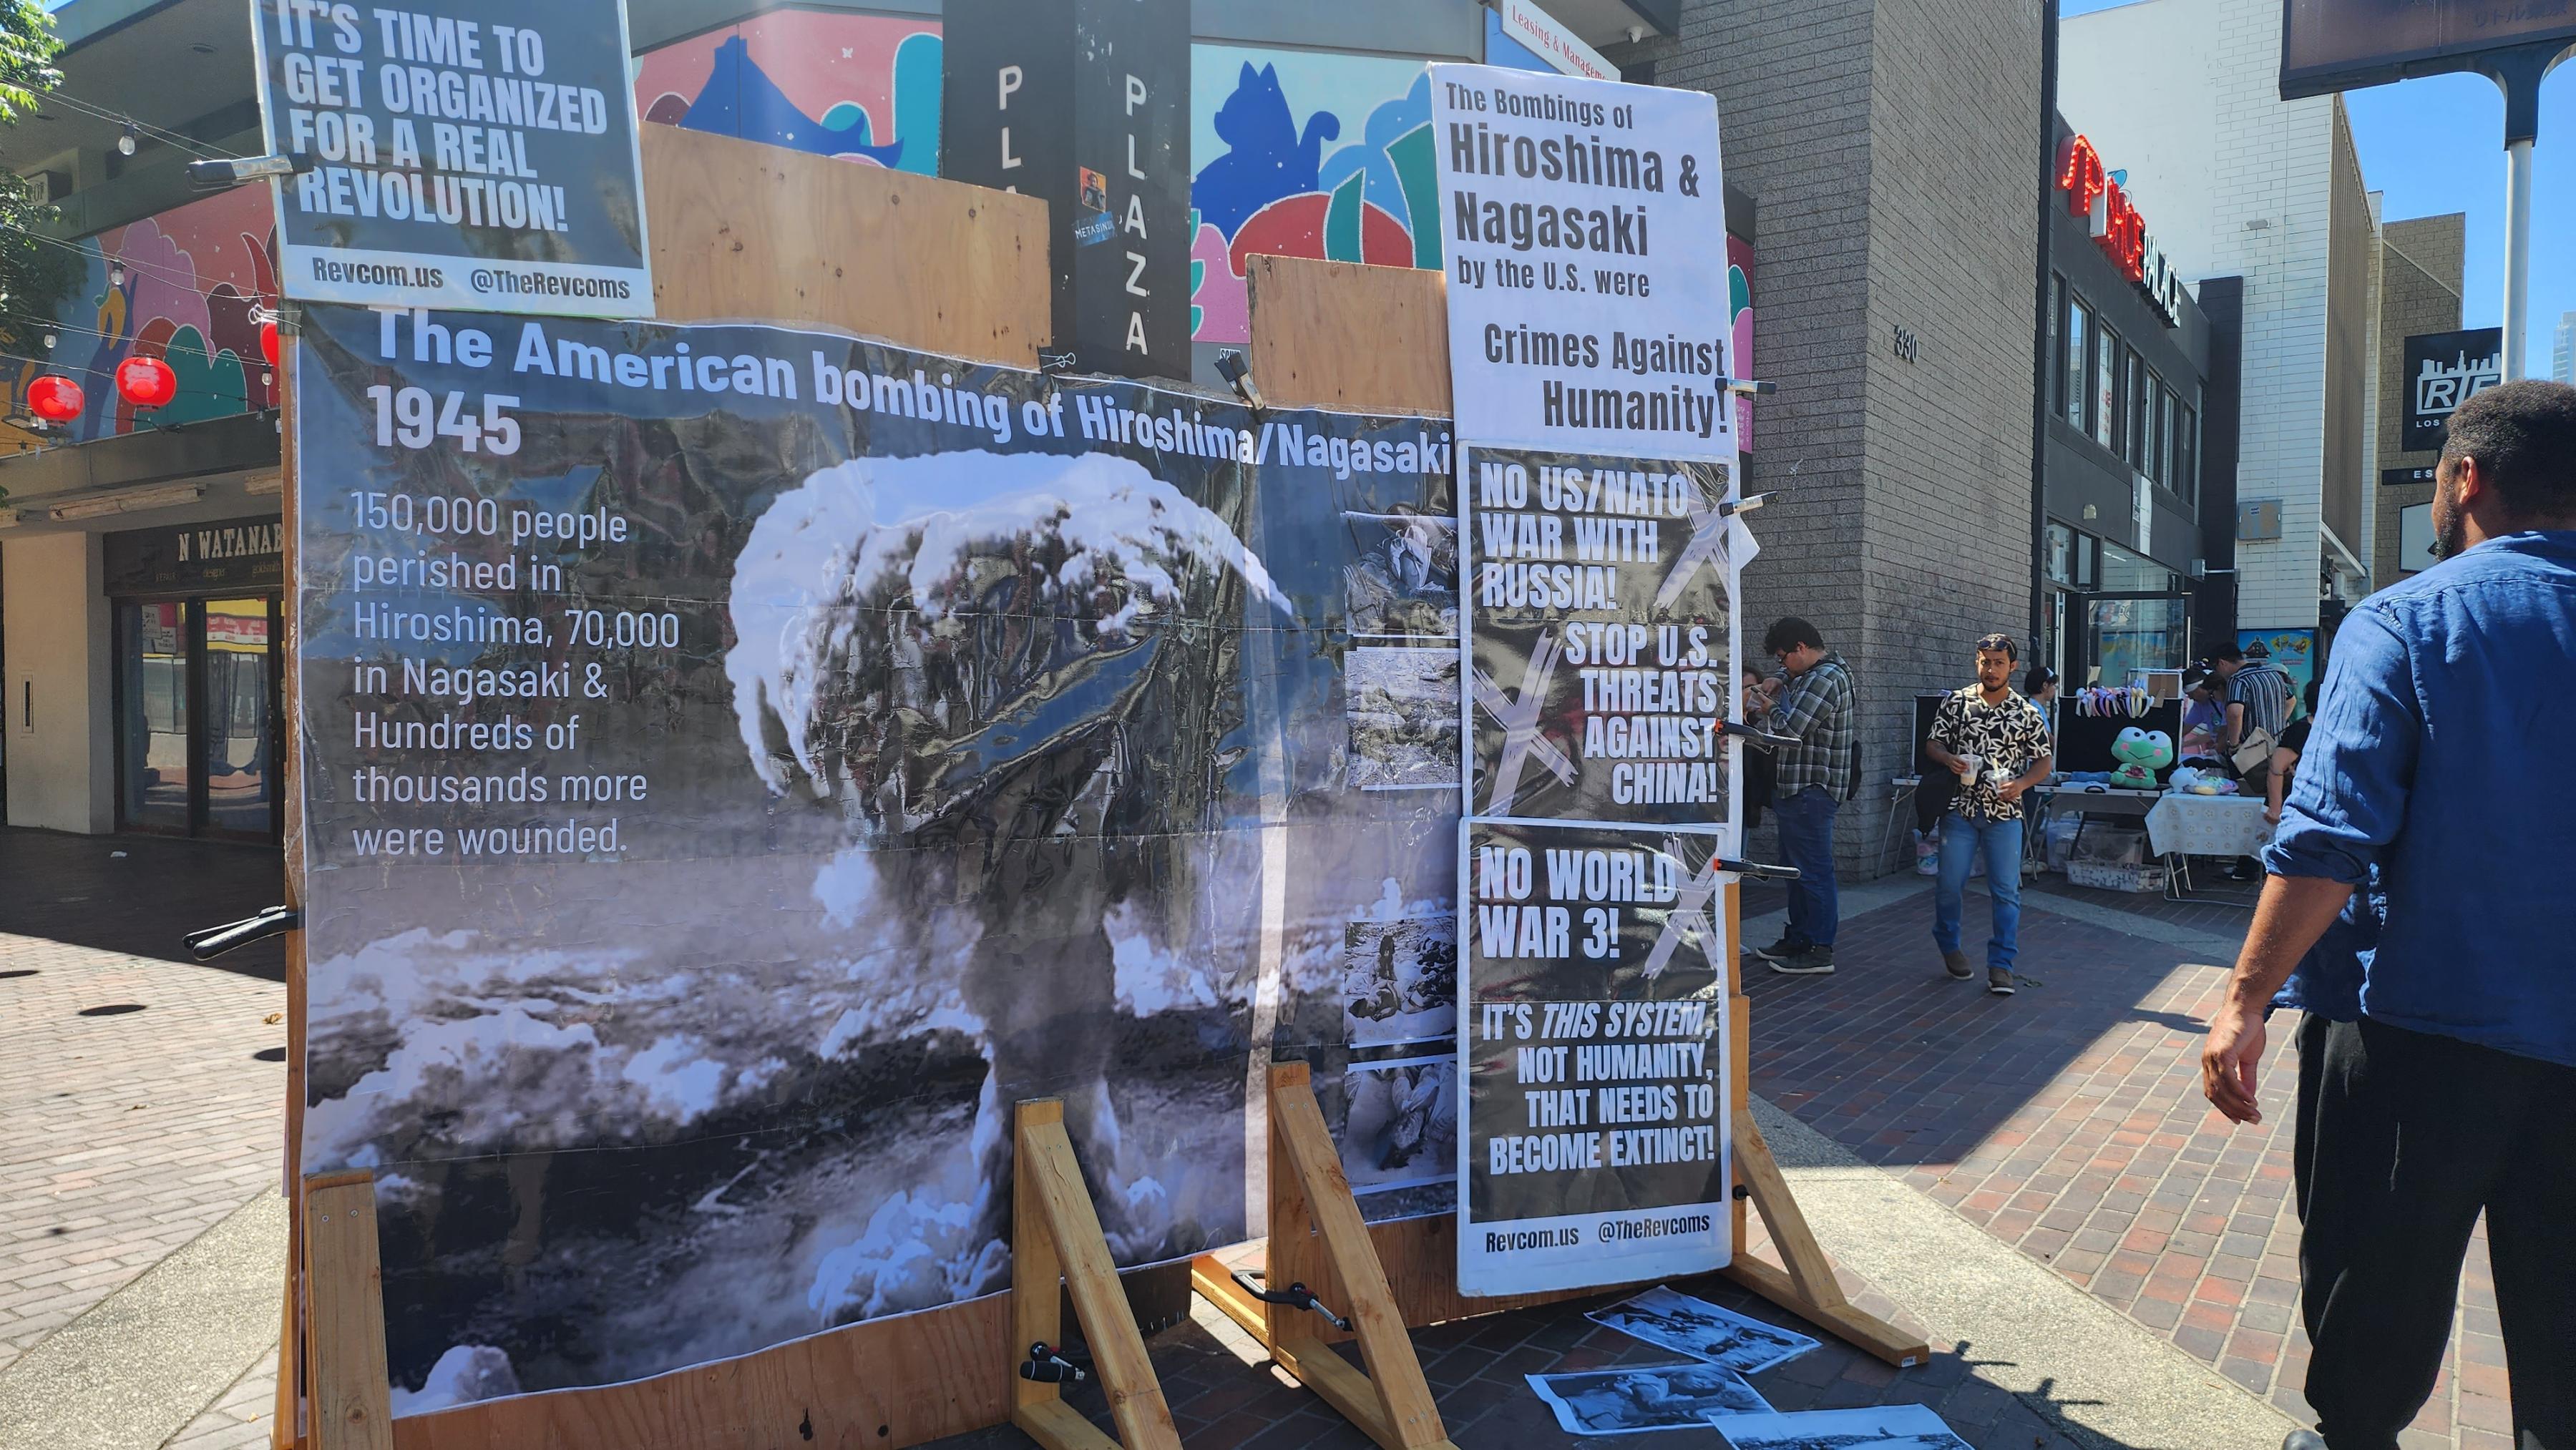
(2439, 770)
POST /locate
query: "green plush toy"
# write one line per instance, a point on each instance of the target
(2141, 754)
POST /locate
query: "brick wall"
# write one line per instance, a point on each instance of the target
(2419, 291)
(1893, 147)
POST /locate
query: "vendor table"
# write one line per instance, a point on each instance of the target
(2182, 826)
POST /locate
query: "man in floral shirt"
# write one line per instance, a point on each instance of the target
(1997, 743)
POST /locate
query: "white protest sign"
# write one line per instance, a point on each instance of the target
(1584, 224)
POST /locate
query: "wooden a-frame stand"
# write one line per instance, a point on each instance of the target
(1056, 1245)
(1318, 1239)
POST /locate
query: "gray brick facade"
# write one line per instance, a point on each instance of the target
(1894, 148)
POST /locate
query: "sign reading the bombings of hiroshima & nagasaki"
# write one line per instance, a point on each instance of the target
(1584, 224)
(1586, 232)
(456, 153)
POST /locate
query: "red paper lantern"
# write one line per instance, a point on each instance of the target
(146, 382)
(55, 398)
(268, 342)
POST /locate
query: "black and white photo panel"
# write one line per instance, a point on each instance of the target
(1649, 1397)
(1399, 1123)
(1662, 1316)
(1887, 1427)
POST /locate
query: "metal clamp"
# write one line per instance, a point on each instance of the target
(214, 941)
(1295, 1296)
(1047, 1365)
(1746, 733)
(1759, 871)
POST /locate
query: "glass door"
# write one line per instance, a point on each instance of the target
(197, 717)
(235, 718)
(153, 777)
(2131, 632)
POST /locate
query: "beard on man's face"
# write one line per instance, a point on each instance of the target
(2450, 525)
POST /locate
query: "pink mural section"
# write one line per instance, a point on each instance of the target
(1739, 293)
(857, 87)
(197, 283)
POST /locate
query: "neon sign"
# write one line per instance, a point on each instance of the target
(2094, 194)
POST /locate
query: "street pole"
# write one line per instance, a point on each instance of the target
(2517, 258)
(2518, 72)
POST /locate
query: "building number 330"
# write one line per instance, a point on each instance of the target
(417, 418)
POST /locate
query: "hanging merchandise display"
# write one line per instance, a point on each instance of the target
(146, 382)
(1588, 344)
(55, 398)
(773, 754)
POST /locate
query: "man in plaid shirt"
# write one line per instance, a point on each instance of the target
(1813, 704)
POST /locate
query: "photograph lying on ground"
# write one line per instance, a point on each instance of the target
(1703, 1330)
(1887, 1427)
(1650, 1397)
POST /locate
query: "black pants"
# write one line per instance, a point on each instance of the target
(2402, 1139)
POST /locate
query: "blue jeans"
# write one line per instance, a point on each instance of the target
(1807, 839)
(1961, 839)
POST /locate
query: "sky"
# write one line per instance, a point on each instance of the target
(2437, 145)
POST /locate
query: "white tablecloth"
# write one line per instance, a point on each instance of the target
(2208, 825)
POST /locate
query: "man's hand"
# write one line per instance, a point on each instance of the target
(2011, 790)
(2272, 812)
(1959, 767)
(2293, 912)
(2228, 1060)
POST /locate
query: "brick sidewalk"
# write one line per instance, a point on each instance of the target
(144, 1100)
(1223, 1394)
(2068, 1122)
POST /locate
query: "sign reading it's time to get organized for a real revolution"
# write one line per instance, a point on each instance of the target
(1585, 230)
(463, 153)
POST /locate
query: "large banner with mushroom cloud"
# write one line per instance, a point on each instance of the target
(740, 762)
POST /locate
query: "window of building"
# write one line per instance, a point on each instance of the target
(2186, 482)
(2079, 349)
(2106, 386)
(2056, 385)
(2126, 571)
(2165, 411)
(2137, 427)
(2061, 554)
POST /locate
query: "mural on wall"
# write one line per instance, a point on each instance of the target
(198, 280)
(1739, 312)
(1302, 154)
(857, 87)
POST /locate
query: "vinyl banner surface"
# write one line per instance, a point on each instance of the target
(462, 153)
(1601, 633)
(740, 762)
(1597, 1134)
(1586, 244)
(1588, 352)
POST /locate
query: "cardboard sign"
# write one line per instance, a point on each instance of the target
(1585, 230)
(465, 153)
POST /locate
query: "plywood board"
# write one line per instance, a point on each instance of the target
(747, 232)
(1341, 335)
(887, 1383)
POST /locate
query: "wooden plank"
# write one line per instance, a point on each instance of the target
(352, 1403)
(1411, 1417)
(1118, 1358)
(1319, 1368)
(889, 1383)
(761, 233)
(1211, 1279)
(1294, 1255)
(1059, 1426)
(1037, 1307)
(1808, 1266)
(1341, 335)
(286, 1427)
